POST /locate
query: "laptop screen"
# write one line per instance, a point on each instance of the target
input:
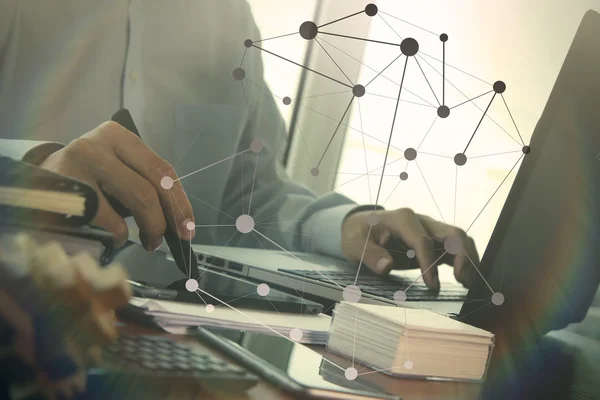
(541, 267)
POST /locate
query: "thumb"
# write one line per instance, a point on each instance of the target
(378, 259)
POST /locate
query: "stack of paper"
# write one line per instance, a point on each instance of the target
(176, 317)
(413, 342)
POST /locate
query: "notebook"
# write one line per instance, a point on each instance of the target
(30, 193)
(176, 317)
(410, 342)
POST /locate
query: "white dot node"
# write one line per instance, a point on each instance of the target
(373, 219)
(351, 294)
(411, 253)
(400, 296)
(296, 334)
(190, 226)
(453, 245)
(166, 182)
(498, 299)
(256, 146)
(210, 308)
(263, 289)
(351, 373)
(408, 364)
(191, 285)
(244, 223)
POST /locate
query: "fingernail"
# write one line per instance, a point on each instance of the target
(157, 245)
(382, 264)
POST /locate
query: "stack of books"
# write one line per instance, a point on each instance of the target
(410, 342)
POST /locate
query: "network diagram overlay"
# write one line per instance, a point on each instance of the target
(409, 57)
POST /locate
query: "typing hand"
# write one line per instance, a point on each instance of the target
(433, 243)
(115, 161)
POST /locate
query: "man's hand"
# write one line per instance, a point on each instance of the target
(422, 234)
(115, 160)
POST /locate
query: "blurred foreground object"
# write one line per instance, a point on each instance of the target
(56, 311)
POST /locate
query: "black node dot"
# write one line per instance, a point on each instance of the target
(358, 90)
(460, 159)
(239, 74)
(444, 37)
(443, 111)
(499, 87)
(248, 43)
(526, 149)
(286, 100)
(314, 171)
(404, 175)
(409, 47)
(410, 154)
(308, 30)
(371, 10)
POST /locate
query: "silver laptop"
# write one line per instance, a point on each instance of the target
(539, 177)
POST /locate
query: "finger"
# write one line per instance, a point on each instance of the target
(378, 259)
(138, 195)
(139, 157)
(404, 223)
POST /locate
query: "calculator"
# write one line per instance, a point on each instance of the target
(157, 362)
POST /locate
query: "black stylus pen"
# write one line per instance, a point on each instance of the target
(180, 249)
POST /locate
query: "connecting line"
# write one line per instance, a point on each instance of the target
(212, 165)
(383, 70)
(334, 133)
(292, 255)
(341, 19)
(424, 272)
(363, 175)
(497, 154)
(453, 67)
(427, 80)
(374, 70)
(404, 101)
(336, 64)
(406, 22)
(253, 179)
(365, 150)
(470, 100)
(391, 193)
(201, 298)
(435, 155)
(379, 14)
(205, 203)
(498, 188)
(429, 130)
(362, 257)
(387, 150)
(303, 66)
(443, 73)
(245, 96)
(357, 38)
(251, 318)
(243, 57)
(474, 311)
(190, 145)
(275, 37)
(477, 127)
(511, 117)
(321, 95)
(430, 192)
(479, 272)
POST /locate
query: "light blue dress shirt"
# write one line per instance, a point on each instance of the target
(67, 65)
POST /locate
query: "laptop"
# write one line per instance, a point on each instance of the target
(544, 252)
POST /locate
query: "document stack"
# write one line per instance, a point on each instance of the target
(410, 342)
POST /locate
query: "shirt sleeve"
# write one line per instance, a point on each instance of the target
(285, 214)
(30, 151)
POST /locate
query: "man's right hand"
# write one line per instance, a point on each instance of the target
(115, 160)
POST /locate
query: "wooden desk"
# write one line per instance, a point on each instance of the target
(563, 365)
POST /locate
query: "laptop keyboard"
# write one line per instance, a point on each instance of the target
(386, 287)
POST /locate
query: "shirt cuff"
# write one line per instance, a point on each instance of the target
(322, 232)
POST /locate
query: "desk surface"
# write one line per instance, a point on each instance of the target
(564, 364)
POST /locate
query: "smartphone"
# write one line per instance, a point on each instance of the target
(294, 368)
